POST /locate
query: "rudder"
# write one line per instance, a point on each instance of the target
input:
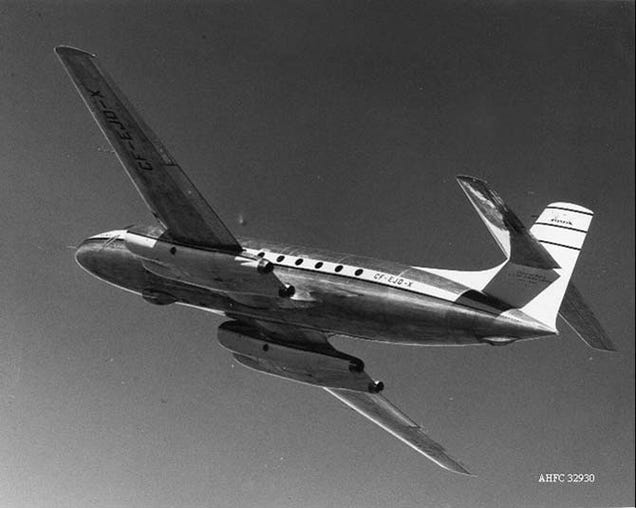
(561, 229)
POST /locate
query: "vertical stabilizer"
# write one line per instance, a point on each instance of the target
(535, 277)
(539, 262)
(560, 229)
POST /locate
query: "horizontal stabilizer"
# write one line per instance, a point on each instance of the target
(520, 247)
(582, 320)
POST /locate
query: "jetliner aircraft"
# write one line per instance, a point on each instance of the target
(285, 302)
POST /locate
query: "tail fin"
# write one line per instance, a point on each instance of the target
(561, 230)
(536, 274)
(540, 262)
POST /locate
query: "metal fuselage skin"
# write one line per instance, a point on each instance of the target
(335, 293)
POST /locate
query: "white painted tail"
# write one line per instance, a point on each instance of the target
(534, 278)
(561, 229)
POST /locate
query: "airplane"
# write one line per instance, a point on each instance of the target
(284, 302)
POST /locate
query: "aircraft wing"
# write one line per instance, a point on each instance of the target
(380, 411)
(373, 406)
(170, 195)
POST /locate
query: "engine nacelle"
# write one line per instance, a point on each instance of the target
(330, 368)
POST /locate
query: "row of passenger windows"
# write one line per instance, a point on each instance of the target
(317, 266)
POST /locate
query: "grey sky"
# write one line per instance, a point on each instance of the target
(331, 126)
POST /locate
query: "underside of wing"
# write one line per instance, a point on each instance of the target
(168, 192)
(306, 356)
(381, 412)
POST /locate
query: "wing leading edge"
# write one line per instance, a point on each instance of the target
(168, 192)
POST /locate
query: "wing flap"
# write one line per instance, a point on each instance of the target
(168, 192)
(380, 411)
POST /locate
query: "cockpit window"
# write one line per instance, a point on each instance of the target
(109, 235)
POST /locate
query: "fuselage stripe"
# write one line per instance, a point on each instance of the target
(342, 274)
(450, 297)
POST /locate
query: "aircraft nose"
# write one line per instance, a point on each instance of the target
(94, 254)
(104, 257)
(86, 254)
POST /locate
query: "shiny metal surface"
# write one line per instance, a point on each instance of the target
(339, 306)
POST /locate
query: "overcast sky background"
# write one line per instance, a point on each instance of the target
(328, 125)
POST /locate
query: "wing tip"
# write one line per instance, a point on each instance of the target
(468, 179)
(67, 51)
(455, 467)
(605, 346)
(442, 459)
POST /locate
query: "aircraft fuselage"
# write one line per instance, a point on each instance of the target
(339, 294)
